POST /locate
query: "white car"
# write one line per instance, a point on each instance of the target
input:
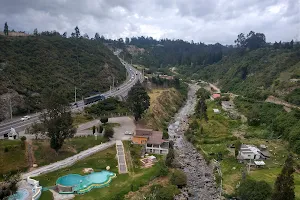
(128, 133)
(25, 118)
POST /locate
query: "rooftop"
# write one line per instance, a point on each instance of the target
(155, 138)
(143, 132)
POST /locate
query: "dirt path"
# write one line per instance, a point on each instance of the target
(275, 100)
(30, 154)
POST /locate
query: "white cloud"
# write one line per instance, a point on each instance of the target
(199, 20)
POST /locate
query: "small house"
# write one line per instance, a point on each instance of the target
(12, 135)
(216, 96)
(227, 105)
(249, 152)
(216, 111)
(152, 140)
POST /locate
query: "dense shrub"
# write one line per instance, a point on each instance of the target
(254, 190)
(104, 120)
(108, 132)
(178, 178)
(170, 157)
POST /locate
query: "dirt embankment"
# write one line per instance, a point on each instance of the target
(164, 103)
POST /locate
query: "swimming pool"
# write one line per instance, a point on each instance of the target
(21, 194)
(75, 183)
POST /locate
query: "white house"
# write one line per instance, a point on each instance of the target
(12, 135)
(227, 105)
(217, 111)
(248, 152)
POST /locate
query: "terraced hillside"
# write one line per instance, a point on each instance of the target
(29, 65)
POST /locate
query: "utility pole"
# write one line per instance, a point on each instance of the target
(10, 108)
(75, 94)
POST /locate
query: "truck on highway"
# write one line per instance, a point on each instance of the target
(92, 99)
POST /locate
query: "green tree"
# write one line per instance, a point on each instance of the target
(57, 119)
(94, 130)
(254, 190)
(104, 120)
(5, 29)
(100, 129)
(237, 146)
(178, 178)
(35, 32)
(284, 185)
(97, 36)
(77, 32)
(170, 157)
(108, 132)
(202, 94)
(65, 34)
(138, 100)
(9, 186)
(201, 110)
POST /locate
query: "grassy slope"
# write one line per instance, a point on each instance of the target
(14, 159)
(254, 73)
(220, 131)
(163, 105)
(45, 155)
(30, 64)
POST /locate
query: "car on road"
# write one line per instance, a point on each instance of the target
(25, 118)
(128, 133)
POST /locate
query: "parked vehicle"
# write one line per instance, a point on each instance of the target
(25, 118)
(128, 133)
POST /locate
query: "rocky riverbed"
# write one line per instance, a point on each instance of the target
(200, 178)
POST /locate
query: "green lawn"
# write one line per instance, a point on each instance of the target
(119, 186)
(81, 119)
(45, 155)
(14, 159)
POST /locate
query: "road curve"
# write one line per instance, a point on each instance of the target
(133, 76)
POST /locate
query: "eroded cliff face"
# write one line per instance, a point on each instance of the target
(163, 106)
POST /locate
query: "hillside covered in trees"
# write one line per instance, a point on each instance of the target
(30, 65)
(253, 67)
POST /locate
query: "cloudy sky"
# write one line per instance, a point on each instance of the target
(208, 21)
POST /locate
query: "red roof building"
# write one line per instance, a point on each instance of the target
(216, 96)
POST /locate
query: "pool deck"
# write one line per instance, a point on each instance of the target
(121, 157)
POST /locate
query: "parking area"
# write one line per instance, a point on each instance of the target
(126, 124)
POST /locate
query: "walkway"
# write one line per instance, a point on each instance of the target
(68, 161)
(121, 157)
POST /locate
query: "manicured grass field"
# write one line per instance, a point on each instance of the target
(12, 157)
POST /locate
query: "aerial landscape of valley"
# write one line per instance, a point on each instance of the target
(150, 100)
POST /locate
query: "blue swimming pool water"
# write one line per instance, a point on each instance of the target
(84, 181)
(21, 194)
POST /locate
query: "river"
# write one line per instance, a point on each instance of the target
(200, 178)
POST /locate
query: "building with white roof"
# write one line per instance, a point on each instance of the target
(248, 152)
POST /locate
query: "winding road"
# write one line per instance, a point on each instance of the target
(122, 90)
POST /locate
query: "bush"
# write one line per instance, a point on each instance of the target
(23, 138)
(109, 132)
(100, 130)
(6, 149)
(165, 135)
(254, 190)
(170, 158)
(163, 193)
(178, 178)
(163, 169)
(104, 120)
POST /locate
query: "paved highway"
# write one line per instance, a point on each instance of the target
(133, 76)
